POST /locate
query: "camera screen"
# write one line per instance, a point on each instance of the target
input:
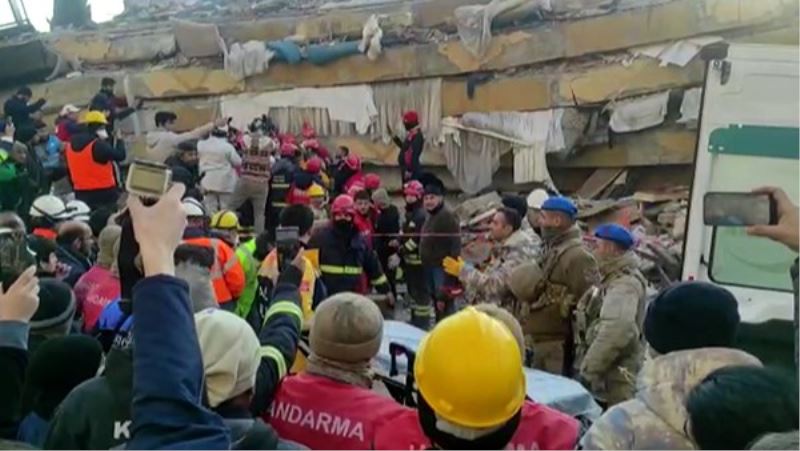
(736, 209)
(147, 179)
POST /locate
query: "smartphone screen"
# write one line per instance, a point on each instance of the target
(149, 179)
(737, 209)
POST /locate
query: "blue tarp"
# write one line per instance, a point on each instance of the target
(319, 54)
(561, 393)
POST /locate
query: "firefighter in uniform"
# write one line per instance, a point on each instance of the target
(344, 256)
(422, 311)
(608, 322)
(568, 270)
(279, 185)
(227, 275)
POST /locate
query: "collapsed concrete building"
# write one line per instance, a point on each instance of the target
(586, 95)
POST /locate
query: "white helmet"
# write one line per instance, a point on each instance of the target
(536, 198)
(193, 208)
(78, 210)
(50, 207)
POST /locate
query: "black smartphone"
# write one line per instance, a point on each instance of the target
(287, 244)
(731, 209)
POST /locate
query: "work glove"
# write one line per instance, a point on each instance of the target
(453, 266)
(394, 261)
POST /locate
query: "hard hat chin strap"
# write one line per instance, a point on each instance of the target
(497, 438)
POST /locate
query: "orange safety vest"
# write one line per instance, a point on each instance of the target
(322, 413)
(87, 174)
(227, 274)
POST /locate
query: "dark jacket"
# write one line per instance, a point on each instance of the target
(97, 413)
(78, 264)
(343, 260)
(410, 153)
(412, 227)
(168, 372)
(13, 363)
(181, 172)
(106, 102)
(388, 223)
(279, 337)
(282, 178)
(20, 111)
(433, 249)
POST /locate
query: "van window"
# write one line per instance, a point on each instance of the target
(736, 258)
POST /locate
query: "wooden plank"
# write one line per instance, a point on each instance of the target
(597, 182)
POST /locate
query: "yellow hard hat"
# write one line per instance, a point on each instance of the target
(95, 117)
(316, 191)
(469, 370)
(224, 219)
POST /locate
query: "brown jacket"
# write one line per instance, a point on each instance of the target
(433, 249)
(607, 328)
(656, 418)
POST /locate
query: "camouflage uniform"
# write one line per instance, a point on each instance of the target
(608, 347)
(568, 271)
(656, 417)
(490, 284)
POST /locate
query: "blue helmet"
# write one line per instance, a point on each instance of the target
(615, 233)
(561, 205)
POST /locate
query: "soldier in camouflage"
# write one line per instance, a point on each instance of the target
(608, 322)
(512, 248)
(568, 270)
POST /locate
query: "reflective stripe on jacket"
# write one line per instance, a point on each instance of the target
(87, 174)
(227, 274)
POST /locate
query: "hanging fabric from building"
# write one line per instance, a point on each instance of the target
(678, 53)
(639, 113)
(471, 158)
(354, 104)
(690, 107)
(197, 40)
(291, 120)
(248, 59)
(394, 99)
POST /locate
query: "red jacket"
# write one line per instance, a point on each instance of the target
(365, 227)
(321, 413)
(540, 427)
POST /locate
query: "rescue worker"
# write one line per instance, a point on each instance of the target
(440, 239)
(372, 182)
(364, 219)
(319, 200)
(46, 213)
(472, 393)
(91, 162)
(251, 252)
(422, 311)
(312, 290)
(279, 184)
(227, 274)
(387, 231)
(331, 405)
(79, 211)
(348, 174)
(224, 225)
(344, 256)
(253, 184)
(608, 323)
(568, 271)
(511, 248)
(411, 148)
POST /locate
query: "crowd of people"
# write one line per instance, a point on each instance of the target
(183, 322)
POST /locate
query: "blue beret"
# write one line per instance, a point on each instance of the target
(615, 233)
(560, 204)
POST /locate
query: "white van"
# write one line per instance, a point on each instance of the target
(748, 138)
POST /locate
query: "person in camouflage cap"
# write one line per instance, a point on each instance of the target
(608, 323)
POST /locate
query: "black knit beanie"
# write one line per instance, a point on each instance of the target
(59, 365)
(691, 315)
(56, 308)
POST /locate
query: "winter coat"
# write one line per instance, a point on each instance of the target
(168, 372)
(410, 153)
(218, 158)
(608, 327)
(656, 417)
(490, 283)
(20, 110)
(433, 249)
(97, 413)
(388, 223)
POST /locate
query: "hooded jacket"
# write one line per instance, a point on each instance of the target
(218, 160)
(656, 417)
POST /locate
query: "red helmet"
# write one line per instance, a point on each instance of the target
(343, 205)
(411, 117)
(311, 144)
(353, 162)
(354, 189)
(313, 165)
(288, 150)
(372, 182)
(414, 188)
